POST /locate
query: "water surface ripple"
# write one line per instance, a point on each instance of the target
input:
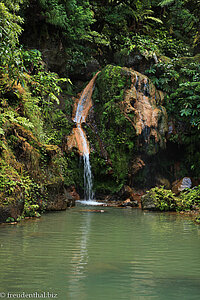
(119, 254)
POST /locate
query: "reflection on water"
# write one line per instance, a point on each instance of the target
(118, 254)
(80, 259)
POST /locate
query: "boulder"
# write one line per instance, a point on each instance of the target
(147, 202)
(181, 184)
(130, 196)
(134, 60)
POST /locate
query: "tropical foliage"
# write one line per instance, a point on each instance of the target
(36, 103)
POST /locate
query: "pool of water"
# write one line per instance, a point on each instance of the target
(116, 254)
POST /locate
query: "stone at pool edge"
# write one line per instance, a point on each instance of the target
(181, 184)
(147, 202)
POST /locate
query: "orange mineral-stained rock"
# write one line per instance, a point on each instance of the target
(76, 140)
(142, 105)
(81, 109)
(85, 102)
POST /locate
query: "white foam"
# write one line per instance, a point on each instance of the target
(89, 202)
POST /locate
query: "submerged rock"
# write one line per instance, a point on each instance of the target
(93, 210)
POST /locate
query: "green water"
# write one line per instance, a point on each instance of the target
(118, 254)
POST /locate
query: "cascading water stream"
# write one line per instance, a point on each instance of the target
(83, 107)
(88, 185)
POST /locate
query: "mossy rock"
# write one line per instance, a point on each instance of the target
(159, 199)
(113, 135)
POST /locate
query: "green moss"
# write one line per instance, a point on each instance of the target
(31, 158)
(115, 144)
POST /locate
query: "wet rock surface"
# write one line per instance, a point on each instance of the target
(143, 106)
(180, 185)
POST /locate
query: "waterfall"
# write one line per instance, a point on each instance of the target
(82, 110)
(88, 185)
(88, 195)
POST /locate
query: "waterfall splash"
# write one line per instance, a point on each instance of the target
(79, 140)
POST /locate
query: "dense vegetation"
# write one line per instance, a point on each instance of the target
(46, 47)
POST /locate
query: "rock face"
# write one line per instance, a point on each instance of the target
(137, 165)
(132, 124)
(84, 72)
(71, 194)
(57, 198)
(129, 195)
(26, 157)
(144, 102)
(48, 39)
(11, 211)
(180, 185)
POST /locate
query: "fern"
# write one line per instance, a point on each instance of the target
(166, 2)
(154, 19)
(10, 116)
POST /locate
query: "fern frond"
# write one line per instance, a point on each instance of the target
(154, 19)
(166, 2)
